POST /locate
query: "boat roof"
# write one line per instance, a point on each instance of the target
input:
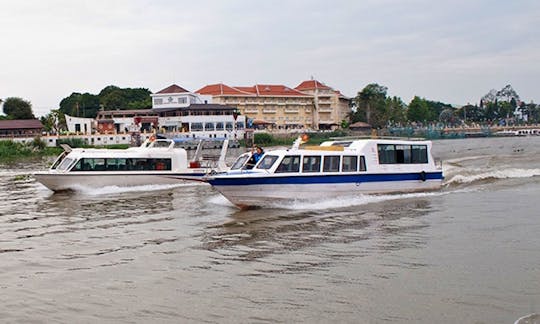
(348, 145)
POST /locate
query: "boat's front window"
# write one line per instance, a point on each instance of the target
(267, 161)
(59, 160)
(240, 161)
(64, 165)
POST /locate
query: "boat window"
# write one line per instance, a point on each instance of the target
(116, 164)
(229, 126)
(58, 160)
(387, 154)
(362, 163)
(120, 164)
(64, 165)
(219, 126)
(349, 163)
(240, 161)
(311, 164)
(161, 143)
(99, 164)
(331, 163)
(402, 154)
(267, 161)
(342, 144)
(290, 163)
(419, 154)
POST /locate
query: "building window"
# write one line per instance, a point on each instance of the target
(182, 100)
(196, 127)
(209, 127)
(158, 101)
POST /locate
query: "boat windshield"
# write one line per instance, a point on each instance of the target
(65, 164)
(267, 161)
(59, 160)
(240, 161)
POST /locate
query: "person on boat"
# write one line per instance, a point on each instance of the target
(256, 153)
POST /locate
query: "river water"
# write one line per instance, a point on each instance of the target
(469, 253)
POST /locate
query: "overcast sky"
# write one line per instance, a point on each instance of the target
(452, 51)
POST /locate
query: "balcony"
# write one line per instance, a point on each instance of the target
(326, 109)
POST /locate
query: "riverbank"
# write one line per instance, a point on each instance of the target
(11, 151)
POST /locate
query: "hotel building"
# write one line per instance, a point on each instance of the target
(311, 105)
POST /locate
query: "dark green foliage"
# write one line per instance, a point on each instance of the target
(109, 98)
(419, 110)
(80, 105)
(371, 105)
(263, 138)
(18, 108)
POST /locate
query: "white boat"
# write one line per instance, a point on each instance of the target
(155, 162)
(334, 169)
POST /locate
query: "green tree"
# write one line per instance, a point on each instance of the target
(54, 122)
(471, 113)
(80, 105)
(395, 110)
(418, 110)
(371, 105)
(18, 108)
(113, 97)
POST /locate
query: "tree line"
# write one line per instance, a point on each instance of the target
(373, 106)
(80, 105)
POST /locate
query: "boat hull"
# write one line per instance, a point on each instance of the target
(78, 180)
(248, 192)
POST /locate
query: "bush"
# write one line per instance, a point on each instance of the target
(263, 138)
(37, 143)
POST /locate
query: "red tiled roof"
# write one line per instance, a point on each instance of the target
(312, 84)
(222, 89)
(277, 90)
(173, 89)
(248, 89)
(21, 124)
(258, 90)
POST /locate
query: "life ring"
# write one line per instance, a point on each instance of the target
(152, 138)
(423, 176)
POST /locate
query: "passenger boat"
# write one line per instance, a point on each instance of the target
(338, 168)
(155, 162)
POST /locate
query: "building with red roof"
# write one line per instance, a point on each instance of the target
(311, 105)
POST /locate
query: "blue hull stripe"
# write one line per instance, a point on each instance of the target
(318, 179)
